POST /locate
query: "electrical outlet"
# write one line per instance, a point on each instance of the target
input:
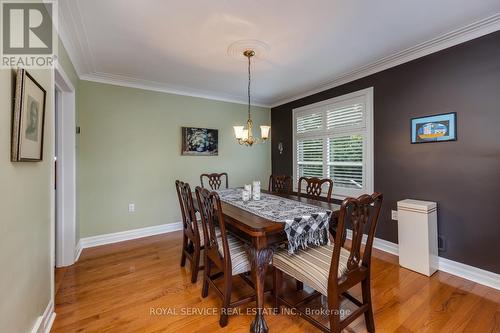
(131, 207)
(394, 215)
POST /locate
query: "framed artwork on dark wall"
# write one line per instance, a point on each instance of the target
(28, 119)
(200, 141)
(434, 128)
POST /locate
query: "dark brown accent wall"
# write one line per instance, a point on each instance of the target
(463, 177)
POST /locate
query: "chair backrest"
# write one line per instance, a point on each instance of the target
(280, 183)
(178, 185)
(214, 180)
(314, 187)
(362, 215)
(211, 211)
(187, 209)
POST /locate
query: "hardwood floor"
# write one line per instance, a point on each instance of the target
(138, 286)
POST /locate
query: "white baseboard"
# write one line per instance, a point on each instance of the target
(471, 273)
(464, 271)
(475, 274)
(378, 243)
(44, 323)
(78, 250)
(128, 235)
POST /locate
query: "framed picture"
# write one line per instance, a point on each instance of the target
(28, 119)
(200, 141)
(435, 128)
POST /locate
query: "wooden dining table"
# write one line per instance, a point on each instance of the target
(262, 237)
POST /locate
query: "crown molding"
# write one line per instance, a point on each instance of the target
(452, 38)
(74, 37)
(127, 81)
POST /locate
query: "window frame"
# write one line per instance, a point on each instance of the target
(366, 130)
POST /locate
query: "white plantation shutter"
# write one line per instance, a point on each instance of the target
(310, 158)
(309, 122)
(333, 139)
(346, 116)
(345, 162)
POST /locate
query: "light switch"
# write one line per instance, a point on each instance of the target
(394, 215)
(131, 207)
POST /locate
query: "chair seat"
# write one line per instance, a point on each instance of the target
(311, 266)
(239, 257)
(202, 234)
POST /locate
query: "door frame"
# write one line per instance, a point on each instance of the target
(65, 197)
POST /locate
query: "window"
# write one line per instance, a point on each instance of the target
(334, 139)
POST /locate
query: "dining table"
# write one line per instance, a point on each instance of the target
(262, 237)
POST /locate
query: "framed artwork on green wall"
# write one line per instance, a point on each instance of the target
(200, 141)
(28, 119)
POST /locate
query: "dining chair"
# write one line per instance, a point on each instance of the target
(192, 237)
(280, 183)
(214, 180)
(314, 187)
(333, 270)
(226, 253)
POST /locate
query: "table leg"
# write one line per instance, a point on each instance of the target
(259, 259)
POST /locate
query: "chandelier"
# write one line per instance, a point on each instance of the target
(244, 136)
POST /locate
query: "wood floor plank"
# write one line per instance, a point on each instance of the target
(138, 286)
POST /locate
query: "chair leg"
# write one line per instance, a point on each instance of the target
(195, 265)
(367, 299)
(206, 276)
(277, 288)
(299, 285)
(334, 313)
(184, 247)
(226, 299)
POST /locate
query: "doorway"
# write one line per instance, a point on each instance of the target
(65, 169)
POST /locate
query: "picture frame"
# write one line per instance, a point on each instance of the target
(434, 128)
(198, 141)
(28, 121)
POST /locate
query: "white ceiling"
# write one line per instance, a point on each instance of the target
(181, 46)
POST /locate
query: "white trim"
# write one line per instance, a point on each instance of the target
(456, 268)
(474, 30)
(366, 97)
(471, 273)
(44, 323)
(73, 36)
(130, 82)
(129, 234)
(378, 243)
(66, 169)
(78, 250)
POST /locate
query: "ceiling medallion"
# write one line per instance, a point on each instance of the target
(236, 50)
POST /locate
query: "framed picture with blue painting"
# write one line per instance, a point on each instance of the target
(200, 141)
(435, 128)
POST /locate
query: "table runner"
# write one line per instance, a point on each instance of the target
(304, 224)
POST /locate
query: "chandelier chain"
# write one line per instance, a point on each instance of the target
(249, 80)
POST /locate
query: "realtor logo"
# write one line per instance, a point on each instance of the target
(28, 34)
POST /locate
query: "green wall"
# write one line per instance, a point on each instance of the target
(26, 211)
(25, 216)
(129, 151)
